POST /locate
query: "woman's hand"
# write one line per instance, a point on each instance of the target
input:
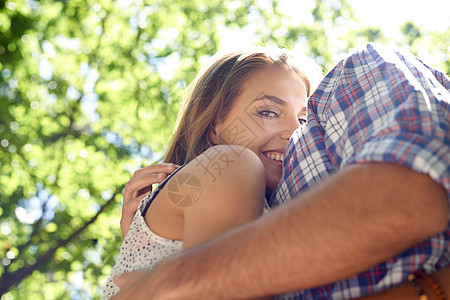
(138, 188)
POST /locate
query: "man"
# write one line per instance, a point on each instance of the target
(378, 141)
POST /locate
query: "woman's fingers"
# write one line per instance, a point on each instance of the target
(144, 178)
(142, 184)
(147, 189)
(129, 207)
(166, 168)
(138, 188)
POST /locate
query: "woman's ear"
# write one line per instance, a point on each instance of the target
(213, 137)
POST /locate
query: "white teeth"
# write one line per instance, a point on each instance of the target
(275, 156)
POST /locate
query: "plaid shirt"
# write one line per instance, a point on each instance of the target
(378, 104)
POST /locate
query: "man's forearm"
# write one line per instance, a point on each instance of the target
(353, 220)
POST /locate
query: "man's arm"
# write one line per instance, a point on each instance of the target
(356, 218)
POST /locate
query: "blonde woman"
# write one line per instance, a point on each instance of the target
(229, 138)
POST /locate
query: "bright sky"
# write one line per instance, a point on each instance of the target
(387, 14)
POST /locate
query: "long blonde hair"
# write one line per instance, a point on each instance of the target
(212, 93)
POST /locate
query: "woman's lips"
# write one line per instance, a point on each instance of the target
(275, 157)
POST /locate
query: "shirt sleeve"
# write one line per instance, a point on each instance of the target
(388, 106)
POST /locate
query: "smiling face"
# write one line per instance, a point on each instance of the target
(270, 106)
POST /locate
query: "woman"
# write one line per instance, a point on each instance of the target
(230, 137)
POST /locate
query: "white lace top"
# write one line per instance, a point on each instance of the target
(141, 248)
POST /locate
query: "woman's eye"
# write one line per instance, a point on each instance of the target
(302, 121)
(268, 113)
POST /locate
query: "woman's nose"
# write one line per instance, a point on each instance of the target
(290, 126)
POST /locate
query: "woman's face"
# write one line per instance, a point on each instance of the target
(272, 104)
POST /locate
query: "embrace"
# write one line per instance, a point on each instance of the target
(290, 189)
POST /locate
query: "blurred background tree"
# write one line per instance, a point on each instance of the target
(89, 92)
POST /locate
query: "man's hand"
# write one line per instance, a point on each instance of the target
(129, 285)
(147, 284)
(138, 188)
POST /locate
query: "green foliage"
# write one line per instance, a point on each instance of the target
(89, 91)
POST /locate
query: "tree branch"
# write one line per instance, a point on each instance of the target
(11, 279)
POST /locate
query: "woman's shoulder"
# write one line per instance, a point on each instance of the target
(220, 164)
(223, 170)
(211, 181)
(220, 170)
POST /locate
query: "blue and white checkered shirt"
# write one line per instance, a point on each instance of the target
(380, 104)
